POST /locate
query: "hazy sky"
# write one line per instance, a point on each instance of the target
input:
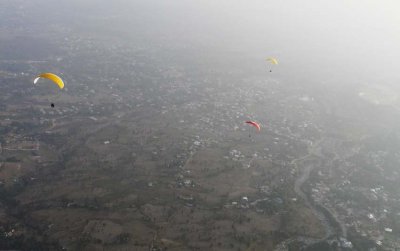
(349, 39)
(357, 37)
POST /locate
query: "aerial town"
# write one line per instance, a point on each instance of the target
(148, 151)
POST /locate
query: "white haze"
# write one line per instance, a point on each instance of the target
(353, 40)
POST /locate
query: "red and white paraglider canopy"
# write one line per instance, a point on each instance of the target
(255, 124)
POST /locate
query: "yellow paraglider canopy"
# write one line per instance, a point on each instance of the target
(272, 60)
(53, 77)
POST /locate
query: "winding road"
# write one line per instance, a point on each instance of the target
(313, 151)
